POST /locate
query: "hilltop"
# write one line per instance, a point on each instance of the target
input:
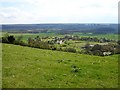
(62, 28)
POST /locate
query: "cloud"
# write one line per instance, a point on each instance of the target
(81, 3)
(58, 11)
(11, 14)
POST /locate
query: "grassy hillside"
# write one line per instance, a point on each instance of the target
(25, 67)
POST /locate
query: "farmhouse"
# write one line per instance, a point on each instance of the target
(107, 53)
(90, 46)
(59, 41)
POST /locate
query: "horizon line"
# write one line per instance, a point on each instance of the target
(52, 23)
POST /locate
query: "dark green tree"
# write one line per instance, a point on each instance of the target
(11, 39)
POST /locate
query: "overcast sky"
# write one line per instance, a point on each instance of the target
(58, 11)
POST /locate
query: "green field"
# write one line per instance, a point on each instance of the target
(108, 36)
(25, 67)
(27, 35)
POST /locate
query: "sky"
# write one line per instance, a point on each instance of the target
(58, 11)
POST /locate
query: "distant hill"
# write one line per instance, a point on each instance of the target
(63, 28)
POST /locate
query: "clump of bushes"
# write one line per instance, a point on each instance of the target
(63, 45)
(8, 39)
(5, 38)
(12, 40)
(52, 47)
(59, 49)
(97, 52)
(101, 50)
(37, 43)
(75, 68)
(19, 41)
(117, 49)
(70, 50)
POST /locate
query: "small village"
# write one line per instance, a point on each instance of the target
(70, 43)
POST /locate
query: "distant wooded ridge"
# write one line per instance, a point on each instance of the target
(62, 28)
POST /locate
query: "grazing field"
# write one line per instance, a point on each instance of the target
(25, 67)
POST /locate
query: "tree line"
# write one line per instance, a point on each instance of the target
(90, 39)
(37, 42)
(102, 50)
